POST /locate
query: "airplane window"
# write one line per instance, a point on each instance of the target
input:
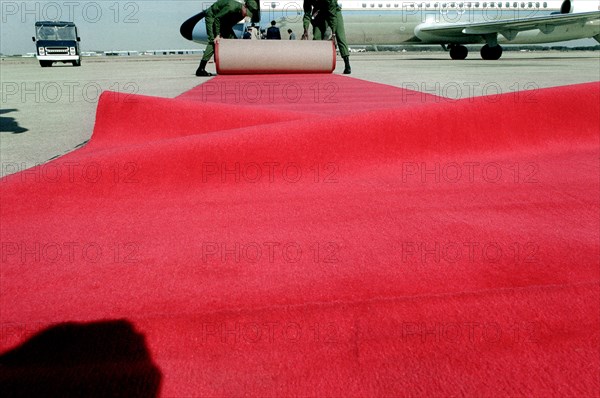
(545, 5)
(537, 5)
(477, 5)
(460, 5)
(522, 5)
(484, 4)
(388, 5)
(515, 5)
(364, 5)
(379, 5)
(372, 5)
(396, 5)
(453, 5)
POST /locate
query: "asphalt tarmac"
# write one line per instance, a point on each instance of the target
(46, 113)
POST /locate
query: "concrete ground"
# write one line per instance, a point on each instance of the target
(46, 113)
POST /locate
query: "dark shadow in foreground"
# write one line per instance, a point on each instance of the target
(98, 359)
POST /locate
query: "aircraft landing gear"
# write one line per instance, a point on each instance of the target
(491, 53)
(458, 51)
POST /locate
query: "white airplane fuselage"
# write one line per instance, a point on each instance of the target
(381, 22)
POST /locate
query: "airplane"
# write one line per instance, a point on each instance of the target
(449, 23)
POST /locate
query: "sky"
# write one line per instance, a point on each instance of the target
(102, 24)
(108, 24)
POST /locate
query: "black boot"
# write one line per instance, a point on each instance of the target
(201, 69)
(347, 69)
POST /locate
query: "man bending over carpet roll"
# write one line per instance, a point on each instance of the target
(323, 13)
(220, 19)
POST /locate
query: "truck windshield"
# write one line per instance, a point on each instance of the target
(56, 33)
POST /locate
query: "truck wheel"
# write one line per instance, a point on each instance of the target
(46, 64)
(77, 63)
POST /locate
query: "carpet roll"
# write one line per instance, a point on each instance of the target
(238, 57)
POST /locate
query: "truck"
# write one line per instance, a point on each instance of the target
(57, 41)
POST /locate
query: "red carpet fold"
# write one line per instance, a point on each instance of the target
(318, 235)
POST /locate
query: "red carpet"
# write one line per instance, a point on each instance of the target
(369, 241)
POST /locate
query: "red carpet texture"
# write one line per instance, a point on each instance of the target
(314, 236)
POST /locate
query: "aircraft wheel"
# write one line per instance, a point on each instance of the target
(459, 52)
(491, 53)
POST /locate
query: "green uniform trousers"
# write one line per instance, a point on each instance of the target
(320, 26)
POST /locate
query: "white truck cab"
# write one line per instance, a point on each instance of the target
(57, 41)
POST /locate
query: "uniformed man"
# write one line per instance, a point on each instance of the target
(323, 13)
(220, 19)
